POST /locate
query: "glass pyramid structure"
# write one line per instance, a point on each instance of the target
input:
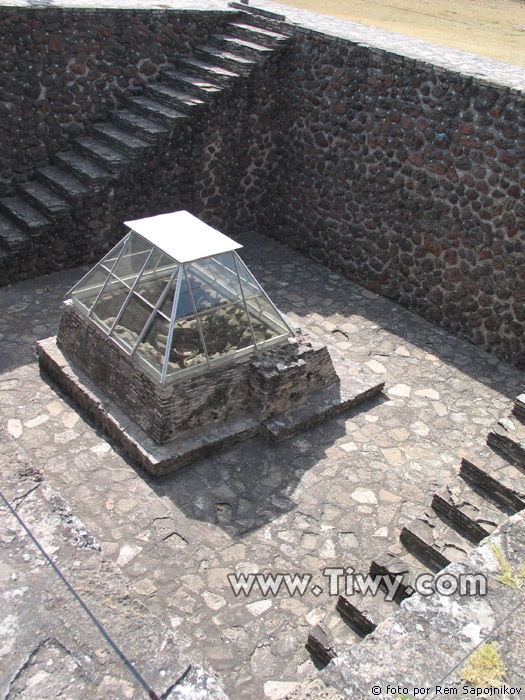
(175, 296)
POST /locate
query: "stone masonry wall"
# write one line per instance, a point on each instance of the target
(65, 68)
(206, 165)
(164, 412)
(261, 385)
(403, 176)
(406, 178)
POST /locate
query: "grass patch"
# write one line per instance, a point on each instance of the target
(485, 667)
(507, 576)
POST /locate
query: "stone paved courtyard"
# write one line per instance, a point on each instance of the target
(334, 496)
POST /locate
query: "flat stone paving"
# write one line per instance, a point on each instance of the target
(334, 496)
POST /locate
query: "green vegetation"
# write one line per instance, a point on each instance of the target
(507, 576)
(485, 667)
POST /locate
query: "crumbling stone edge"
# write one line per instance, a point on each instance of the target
(422, 644)
(44, 612)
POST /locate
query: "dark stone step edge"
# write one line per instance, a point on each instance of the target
(500, 492)
(152, 137)
(61, 191)
(8, 209)
(96, 181)
(58, 213)
(178, 102)
(428, 553)
(204, 71)
(148, 111)
(114, 166)
(467, 526)
(405, 588)
(243, 65)
(357, 618)
(118, 141)
(320, 645)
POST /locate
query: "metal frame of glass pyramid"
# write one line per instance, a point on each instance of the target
(175, 296)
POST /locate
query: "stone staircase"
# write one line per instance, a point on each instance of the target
(489, 488)
(41, 211)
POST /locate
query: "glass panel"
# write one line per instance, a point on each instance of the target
(250, 286)
(226, 330)
(132, 321)
(214, 281)
(132, 259)
(265, 320)
(153, 346)
(184, 303)
(110, 303)
(186, 346)
(167, 305)
(153, 280)
(87, 290)
(109, 260)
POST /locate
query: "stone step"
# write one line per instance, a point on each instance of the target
(122, 139)
(496, 476)
(102, 153)
(228, 59)
(322, 405)
(519, 406)
(63, 183)
(210, 71)
(29, 219)
(12, 238)
(256, 34)
(44, 199)
(435, 542)
(241, 46)
(365, 612)
(154, 109)
(191, 83)
(174, 97)
(508, 435)
(138, 124)
(398, 562)
(341, 633)
(83, 169)
(264, 19)
(320, 644)
(475, 514)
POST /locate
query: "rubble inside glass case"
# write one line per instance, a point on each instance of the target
(148, 296)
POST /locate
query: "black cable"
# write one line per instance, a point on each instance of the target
(149, 690)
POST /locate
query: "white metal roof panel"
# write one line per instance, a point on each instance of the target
(182, 236)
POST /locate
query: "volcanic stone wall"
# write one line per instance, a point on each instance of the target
(406, 178)
(65, 68)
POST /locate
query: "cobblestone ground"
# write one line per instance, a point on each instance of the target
(334, 496)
